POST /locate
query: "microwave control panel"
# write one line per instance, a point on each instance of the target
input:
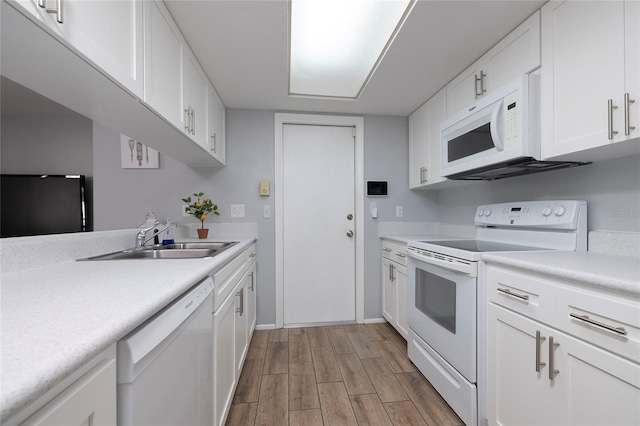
(557, 214)
(511, 113)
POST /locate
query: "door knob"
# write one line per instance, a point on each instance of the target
(349, 234)
(349, 216)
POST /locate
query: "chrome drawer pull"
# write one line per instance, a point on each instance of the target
(510, 293)
(610, 108)
(388, 250)
(401, 255)
(585, 318)
(539, 340)
(552, 371)
(628, 128)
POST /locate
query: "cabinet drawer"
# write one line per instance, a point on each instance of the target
(606, 321)
(394, 251)
(226, 278)
(527, 295)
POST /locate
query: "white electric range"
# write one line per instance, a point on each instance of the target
(447, 292)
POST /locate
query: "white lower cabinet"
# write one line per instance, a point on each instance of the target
(540, 374)
(91, 400)
(394, 285)
(233, 325)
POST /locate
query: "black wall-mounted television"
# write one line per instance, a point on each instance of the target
(42, 204)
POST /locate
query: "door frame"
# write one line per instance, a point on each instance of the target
(320, 120)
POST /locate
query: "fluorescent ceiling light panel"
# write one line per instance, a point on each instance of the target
(335, 45)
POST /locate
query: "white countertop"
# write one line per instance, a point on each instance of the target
(613, 272)
(57, 317)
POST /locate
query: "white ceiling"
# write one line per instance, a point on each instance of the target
(242, 46)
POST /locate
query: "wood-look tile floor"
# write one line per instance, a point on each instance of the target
(334, 375)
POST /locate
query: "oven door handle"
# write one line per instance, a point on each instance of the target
(446, 262)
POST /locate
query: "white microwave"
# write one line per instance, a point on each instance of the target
(503, 125)
(498, 136)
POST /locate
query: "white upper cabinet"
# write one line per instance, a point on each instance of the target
(164, 62)
(589, 78)
(424, 142)
(107, 33)
(516, 54)
(195, 102)
(216, 126)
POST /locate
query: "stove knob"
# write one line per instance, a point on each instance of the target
(480, 212)
(559, 211)
(546, 211)
(487, 212)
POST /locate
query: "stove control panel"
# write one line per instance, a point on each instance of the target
(553, 214)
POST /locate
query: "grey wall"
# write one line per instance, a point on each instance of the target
(611, 189)
(124, 195)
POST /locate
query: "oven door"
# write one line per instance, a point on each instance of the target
(442, 311)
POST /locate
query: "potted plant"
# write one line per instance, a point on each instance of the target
(200, 210)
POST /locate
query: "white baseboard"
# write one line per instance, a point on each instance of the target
(375, 320)
(265, 327)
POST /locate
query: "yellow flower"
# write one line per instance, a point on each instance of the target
(197, 204)
(203, 217)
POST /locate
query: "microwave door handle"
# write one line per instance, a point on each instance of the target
(495, 134)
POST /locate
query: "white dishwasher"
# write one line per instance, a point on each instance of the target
(165, 374)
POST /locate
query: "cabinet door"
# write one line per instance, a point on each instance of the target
(195, 87)
(109, 34)
(583, 56)
(436, 114)
(466, 88)
(224, 358)
(418, 147)
(251, 302)
(516, 54)
(164, 61)
(401, 294)
(389, 293)
(592, 386)
(90, 400)
(517, 394)
(216, 111)
(241, 325)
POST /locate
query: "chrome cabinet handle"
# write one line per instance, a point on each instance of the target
(386, 249)
(401, 255)
(252, 255)
(349, 233)
(627, 122)
(57, 10)
(539, 340)
(240, 310)
(422, 172)
(510, 293)
(391, 272)
(610, 108)
(187, 120)
(214, 143)
(481, 81)
(586, 319)
(252, 282)
(552, 346)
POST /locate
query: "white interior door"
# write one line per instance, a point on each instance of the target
(318, 188)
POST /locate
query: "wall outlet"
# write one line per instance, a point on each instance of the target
(184, 210)
(237, 210)
(399, 211)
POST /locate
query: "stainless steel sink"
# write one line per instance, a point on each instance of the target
(187, 250)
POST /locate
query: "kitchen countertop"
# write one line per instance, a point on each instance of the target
(613, 272)
(57, 317)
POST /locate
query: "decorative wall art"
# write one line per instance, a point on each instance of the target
(136, 155)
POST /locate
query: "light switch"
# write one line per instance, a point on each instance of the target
(266, 212)
(237, 210)
(265, 189)
(399, 211)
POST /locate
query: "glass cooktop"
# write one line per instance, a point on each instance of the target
(480, 246)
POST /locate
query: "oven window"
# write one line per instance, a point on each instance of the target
(436, 298)
(473, 142)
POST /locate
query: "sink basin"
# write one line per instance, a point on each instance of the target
(200, 245)
(187, 250)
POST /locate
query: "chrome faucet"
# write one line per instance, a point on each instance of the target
(141, 238)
